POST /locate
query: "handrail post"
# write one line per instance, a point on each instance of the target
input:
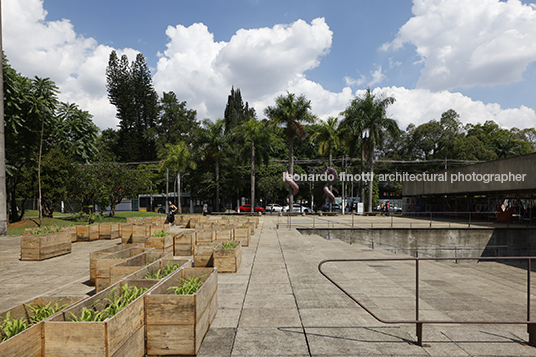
(419, 324)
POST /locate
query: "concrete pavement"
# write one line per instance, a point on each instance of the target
(278, 304)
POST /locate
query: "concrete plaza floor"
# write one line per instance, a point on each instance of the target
(278, 304)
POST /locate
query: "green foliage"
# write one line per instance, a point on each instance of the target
(11, 326)
(236, 113)
(161, 233)
(229, 245)
(187, 286)
(176, 122)
(108, 307)
(162, 273)
(45, 230)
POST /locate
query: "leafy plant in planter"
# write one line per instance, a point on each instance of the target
(162, 273)
(113, 304)
(45, 230)
(229, 245)
(161, 233)
(11, 326)
(188, 286)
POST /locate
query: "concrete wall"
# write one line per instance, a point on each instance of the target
(516, 166)
(439, 242)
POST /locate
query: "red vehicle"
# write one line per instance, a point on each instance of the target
(247, 208)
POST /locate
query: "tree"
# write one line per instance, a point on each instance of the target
(131, 91)
(254, 141)
(236, 113)
(177, 157)
(327, 138)
(119, 181)
(213, 143)
(176, 122)
(291, 111)
(75, 133)
(370, 114)
(43, 104)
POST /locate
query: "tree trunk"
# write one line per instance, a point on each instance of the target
(179, 205)
(253, 179)
(3, 200)
(371, 182)
(330, 186)
(167, 190)
(361, 185)
(39, 172)
(217, 205)
(291, 172)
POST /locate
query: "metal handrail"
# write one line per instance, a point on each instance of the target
(531, 325)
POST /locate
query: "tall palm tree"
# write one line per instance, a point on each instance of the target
(290, 111)
(368, 114)
(177, 157)
(254, 140)
(213, 144)
(327, 139)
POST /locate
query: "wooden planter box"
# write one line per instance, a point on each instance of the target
(109, 230)
(44, 246)
(160, 244)
(120, 335)
(103, 264)
(132, 265)
(140, 232)
(204, 236)
(242, 234)
(184, 242)
(85, 233)
(125, 231)
(156, 228)
(204, 255)
(101, 254)
(160, 264)
(28, 343)
(251, 226)
(71, 230)
(224, 235)
(177, 324)
(227, 260)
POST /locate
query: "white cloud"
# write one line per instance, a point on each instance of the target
(468, 43)
(377, 76)
(261, 62)
(419, 106)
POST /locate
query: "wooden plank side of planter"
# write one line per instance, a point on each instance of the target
(177, 324)
(204, 236)
(204, 255)
(28, 343)
(184, 242)
(126, 232)
(82, 233)
(101, 254)
(102, 270)
(71, 230)
(133, 264)
(227, 260)
(108, 230)
(159, 242)
(93, 232)
(242, 234)
(134, 346)
(44, 246)
(105, 338)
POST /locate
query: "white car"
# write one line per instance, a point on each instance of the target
(273, 207)
(297, 208)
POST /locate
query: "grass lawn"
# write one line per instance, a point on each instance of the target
(62, 219)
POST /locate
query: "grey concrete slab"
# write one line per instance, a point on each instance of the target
(289, 341)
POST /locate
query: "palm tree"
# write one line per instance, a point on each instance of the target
(213, 144)
(178, 158)
(290, 111)
(327, 139)
(368, 114)
(254, 140)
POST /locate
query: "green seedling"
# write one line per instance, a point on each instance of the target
(187, 286)
(40, 312)
(161, 233)
(162, 273)
(112, 304)
(45, 230)
(229, 245)
(11, 326)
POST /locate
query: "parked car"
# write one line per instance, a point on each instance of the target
(334, 206)
(297, 208)
(273, 207)
(247, 208)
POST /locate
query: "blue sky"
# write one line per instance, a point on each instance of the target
(474, 56)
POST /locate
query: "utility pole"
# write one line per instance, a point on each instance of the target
(3, 201)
